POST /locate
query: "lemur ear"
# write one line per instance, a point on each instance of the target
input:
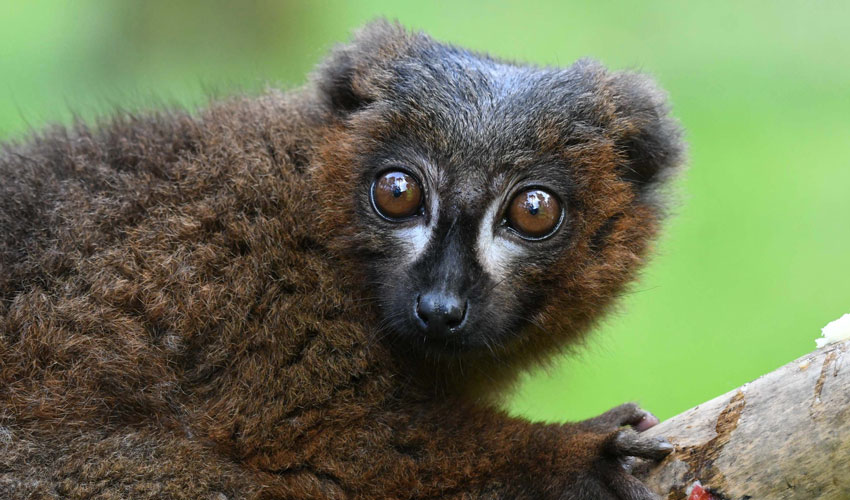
(648, 138)
(356, 74)
(338, 86)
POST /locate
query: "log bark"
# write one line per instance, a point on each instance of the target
(783, 436)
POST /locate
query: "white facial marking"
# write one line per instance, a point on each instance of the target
(495, 253)
(416, 238)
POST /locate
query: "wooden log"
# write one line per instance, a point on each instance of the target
(783, 436)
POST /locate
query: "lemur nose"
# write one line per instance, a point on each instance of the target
(440, 312)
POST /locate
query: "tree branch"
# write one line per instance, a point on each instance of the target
(783, 436)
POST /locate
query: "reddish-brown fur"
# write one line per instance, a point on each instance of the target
(182, 315)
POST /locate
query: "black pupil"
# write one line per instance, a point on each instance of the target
(396, 190)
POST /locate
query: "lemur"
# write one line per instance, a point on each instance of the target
(321, 293)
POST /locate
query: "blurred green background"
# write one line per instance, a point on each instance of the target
(755, 261)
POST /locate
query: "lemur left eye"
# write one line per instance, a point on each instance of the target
(534, 214)
(397, 195)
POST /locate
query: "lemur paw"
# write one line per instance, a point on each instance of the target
(609, 476)
(626, 414)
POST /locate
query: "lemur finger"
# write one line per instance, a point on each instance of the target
(630, 443)
(625, 414)
(628, 488)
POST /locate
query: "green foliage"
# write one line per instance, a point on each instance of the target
(755, 260)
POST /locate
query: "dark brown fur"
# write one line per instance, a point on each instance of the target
(183, 311)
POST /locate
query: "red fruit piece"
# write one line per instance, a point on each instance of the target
(700, 493)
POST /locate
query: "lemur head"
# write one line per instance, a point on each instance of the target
(492, 205)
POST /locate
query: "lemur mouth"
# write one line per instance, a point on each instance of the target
(448, 345)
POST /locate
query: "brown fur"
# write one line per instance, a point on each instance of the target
(183, 315)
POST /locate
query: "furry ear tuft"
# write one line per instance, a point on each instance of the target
(356, 74)
(647, 136)
(338, 86)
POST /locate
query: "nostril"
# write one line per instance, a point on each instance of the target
(417, 310)
(456, 313)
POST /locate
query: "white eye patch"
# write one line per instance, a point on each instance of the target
(495, 253)
(415, 238)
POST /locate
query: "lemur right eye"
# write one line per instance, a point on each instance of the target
(397, 195)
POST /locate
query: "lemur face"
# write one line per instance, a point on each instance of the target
(466, 229)
(490, 204)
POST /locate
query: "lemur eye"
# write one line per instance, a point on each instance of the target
(397, 195)
(534, 213)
